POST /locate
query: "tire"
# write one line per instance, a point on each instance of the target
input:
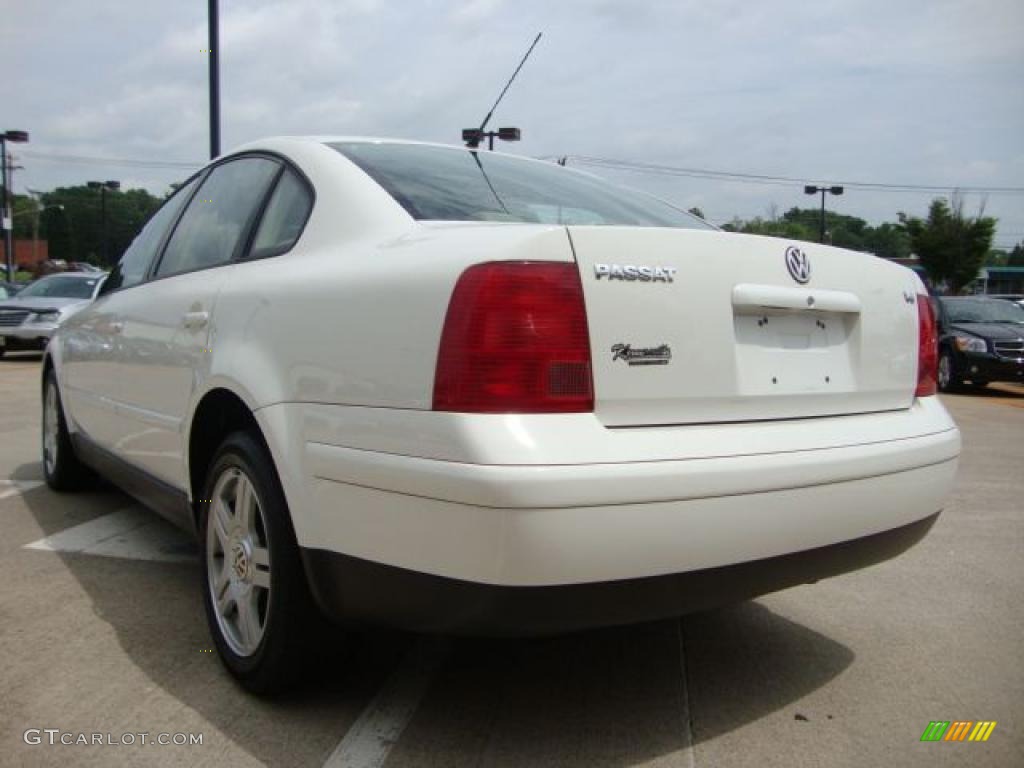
(61, 467)
(947, 376)
(251, 569)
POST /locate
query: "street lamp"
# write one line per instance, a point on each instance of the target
(6, 220)
(810, 189)
(473, 136)
(103, 186)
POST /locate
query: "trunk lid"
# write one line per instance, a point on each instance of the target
(690, 326)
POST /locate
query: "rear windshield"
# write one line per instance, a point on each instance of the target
(452, 184)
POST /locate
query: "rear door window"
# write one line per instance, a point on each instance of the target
(284, 217)
(213, 228)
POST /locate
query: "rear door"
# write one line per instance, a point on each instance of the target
(691, 326)
(91, 339)
(168, 324)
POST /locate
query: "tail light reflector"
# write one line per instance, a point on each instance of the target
(927, 348)
(515, 340)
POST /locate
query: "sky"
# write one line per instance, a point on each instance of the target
(922, 93)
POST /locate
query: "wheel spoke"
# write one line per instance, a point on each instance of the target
(261, 579)
(221, 517)
(225, 596)
(244, 503)
(223, 578)
(260, 556)
(248, 621)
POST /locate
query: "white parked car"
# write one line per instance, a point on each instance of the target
(460, 391)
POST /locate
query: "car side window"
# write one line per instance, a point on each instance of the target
(284, 217)
(136, 261)
(212, 228)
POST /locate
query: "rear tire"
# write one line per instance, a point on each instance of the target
(61, 467)
(255, 593)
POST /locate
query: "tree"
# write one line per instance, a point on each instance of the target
(996, 258)
(74, 217)
(888, 240)
(952, 246)
(789, 230)
(697, 212)
(1016, 257)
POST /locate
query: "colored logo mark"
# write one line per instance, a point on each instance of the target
(958, 730)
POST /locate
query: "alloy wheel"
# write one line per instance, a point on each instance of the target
(51, 428)
(238, 561)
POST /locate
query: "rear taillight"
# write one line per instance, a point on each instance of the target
(927, 348)
(515, 341)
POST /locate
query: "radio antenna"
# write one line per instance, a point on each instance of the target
(473, 136)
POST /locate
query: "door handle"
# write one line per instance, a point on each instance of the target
(196, 320)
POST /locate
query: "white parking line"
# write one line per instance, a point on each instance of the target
(371, 737)
(17, 487)
(133, 533)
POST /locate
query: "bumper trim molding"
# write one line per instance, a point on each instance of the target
(353, 590)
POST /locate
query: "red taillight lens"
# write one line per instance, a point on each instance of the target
(515, 341)
(927, 348)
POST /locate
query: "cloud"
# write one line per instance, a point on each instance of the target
(908, 92)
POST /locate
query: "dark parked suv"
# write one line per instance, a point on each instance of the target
(981, 340)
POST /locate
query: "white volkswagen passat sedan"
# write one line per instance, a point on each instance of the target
(460, 391)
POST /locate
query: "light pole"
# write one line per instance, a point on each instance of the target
(810, 189)
(214, 36)
(6, 219)
(103, 186)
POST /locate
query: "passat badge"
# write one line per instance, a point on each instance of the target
(642, 355)
(642, 273)
(798, 264)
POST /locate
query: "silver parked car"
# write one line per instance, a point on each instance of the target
(29, 319)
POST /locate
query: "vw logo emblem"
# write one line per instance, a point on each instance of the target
(798, 264)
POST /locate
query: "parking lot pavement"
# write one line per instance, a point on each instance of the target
(102, 631)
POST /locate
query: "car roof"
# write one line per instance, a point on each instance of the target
(327, 139)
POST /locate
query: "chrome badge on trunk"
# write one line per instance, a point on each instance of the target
(642, 273)
(659, 355)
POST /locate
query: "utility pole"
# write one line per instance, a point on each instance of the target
(214, 36)
(11, 168)
(6, 217)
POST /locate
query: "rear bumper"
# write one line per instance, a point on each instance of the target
(492, 513)
(351, 589)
